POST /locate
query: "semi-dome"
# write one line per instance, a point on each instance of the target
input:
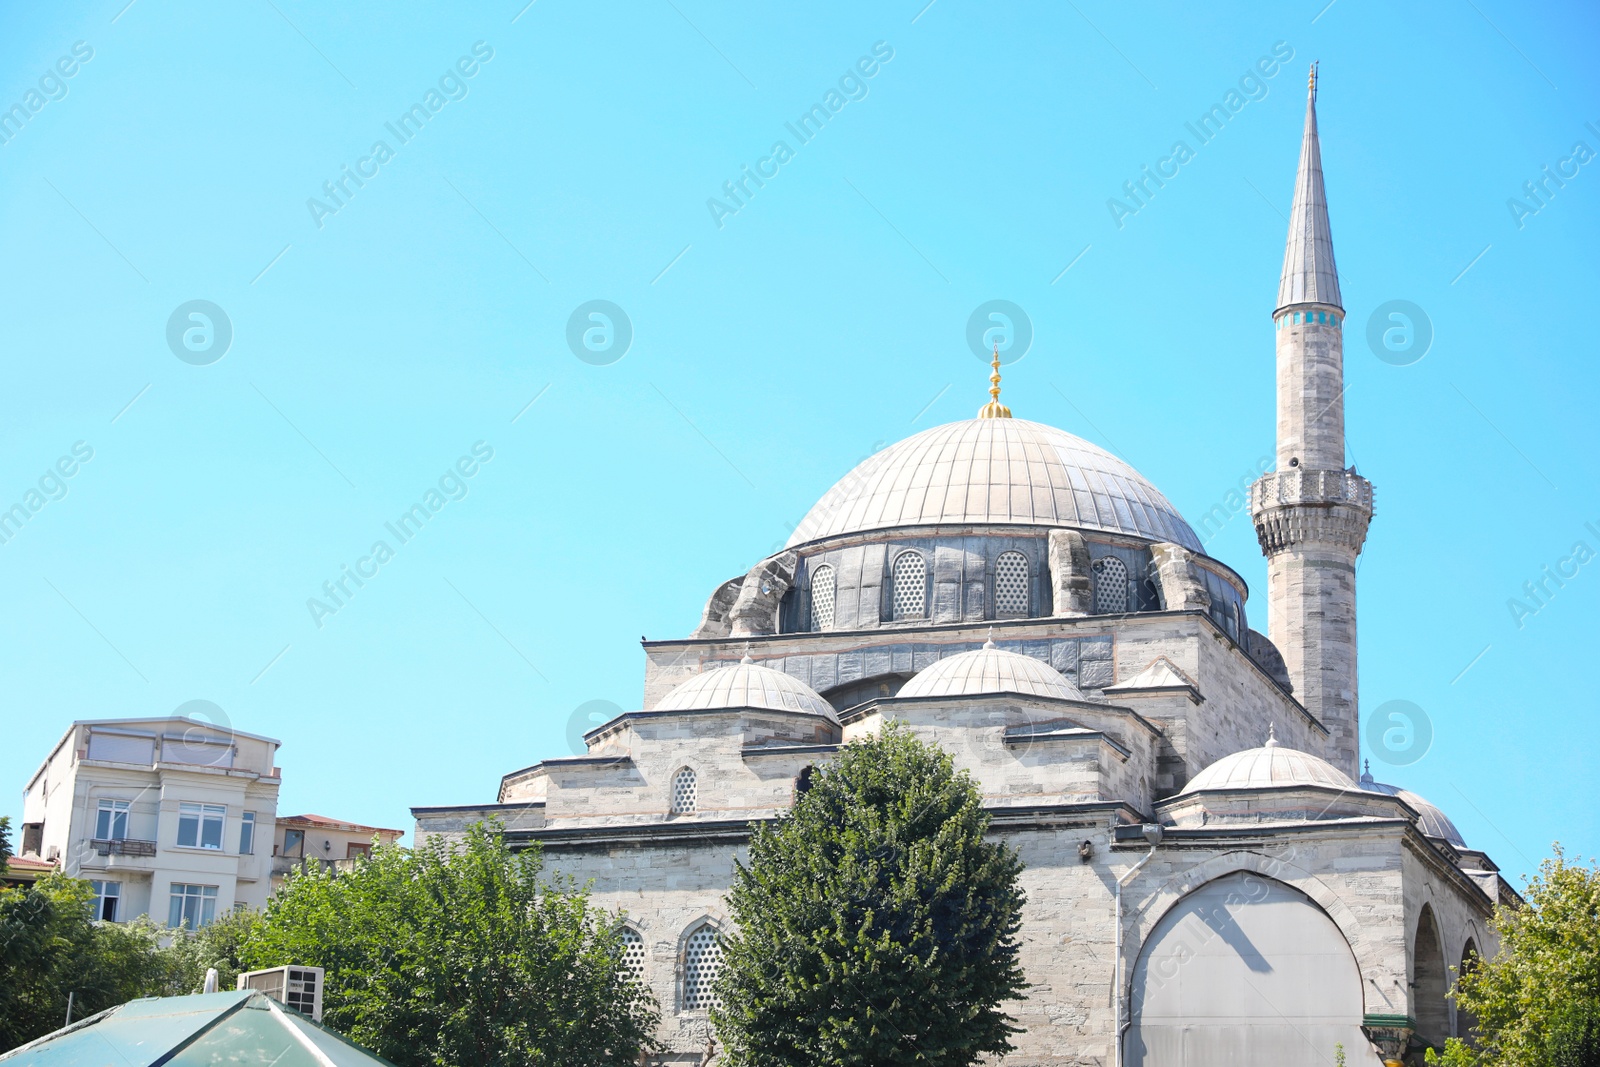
(745, 684)
(1000, 471)
(1430, 820)
(1269, 767)
(989, 670)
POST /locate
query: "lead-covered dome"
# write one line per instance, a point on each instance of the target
(1269, 767)
(1430, 819)
(995, 471)
(745, 684)
(989, 670)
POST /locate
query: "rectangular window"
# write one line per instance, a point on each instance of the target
(111, 822)
(247, 834)
(106, 897)
(200, 825)
(294, 843)
(192, 905)
(357, 850)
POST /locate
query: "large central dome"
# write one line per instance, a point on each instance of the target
(995, 471)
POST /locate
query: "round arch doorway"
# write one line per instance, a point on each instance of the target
(1249, 972)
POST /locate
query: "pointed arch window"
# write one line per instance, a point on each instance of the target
(633, 953)
(1011, 586)
(685, 791)
(822, 598)
(1110, 585)
(702, 962)
(907, 582)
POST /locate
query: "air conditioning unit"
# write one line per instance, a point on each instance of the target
(299, 988)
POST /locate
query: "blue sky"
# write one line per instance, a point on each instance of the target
(374, 346)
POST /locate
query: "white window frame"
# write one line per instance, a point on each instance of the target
(247, 834)
(107, 817)
(194, 904)
(206, 821)
(106, 893)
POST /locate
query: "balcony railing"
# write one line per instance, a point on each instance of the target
(123, 846)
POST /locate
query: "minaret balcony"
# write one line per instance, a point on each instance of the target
(1311, 506)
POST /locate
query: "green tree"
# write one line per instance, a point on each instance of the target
(5, 842)
(1537, 1001)
(461, 954)
(221, 944)
(50, 949)
(876, 926)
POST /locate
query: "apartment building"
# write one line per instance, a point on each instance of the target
(171, 817)
(308, 842)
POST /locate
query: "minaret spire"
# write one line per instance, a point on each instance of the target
(1311, 514)
(1309, 275)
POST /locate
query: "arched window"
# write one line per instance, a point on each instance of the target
(1466, 1021)
(702, 960)
(633, 953)
(684, 791)
(1011, 586)
(1110, 585)
(1429, 982)
(822, 589)
(906, 582)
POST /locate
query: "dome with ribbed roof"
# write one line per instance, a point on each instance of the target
(745, 684)
(1269, 767)
(990, 670)
(1430, 819)
(995, 471)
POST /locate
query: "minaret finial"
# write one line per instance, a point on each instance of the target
(1312, 85)
(994, 409)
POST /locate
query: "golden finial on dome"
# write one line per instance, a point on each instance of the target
(1312, 84)
(994, 409)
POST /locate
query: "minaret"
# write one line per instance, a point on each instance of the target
(1311, 514)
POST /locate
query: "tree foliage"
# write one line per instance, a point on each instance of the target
(876, 926)
(1537, 1001)
(453, 955)
(51, 949)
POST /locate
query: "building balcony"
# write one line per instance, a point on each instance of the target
(123, 846)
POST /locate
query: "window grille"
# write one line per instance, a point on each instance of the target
(633, 952)
(822, 589)
(1110, 585)
(1011, 586)
(907, 582)
(702, 960)
(684, 792)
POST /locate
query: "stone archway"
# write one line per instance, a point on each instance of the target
(1466, 1021)
(1429, 982)
(1250, 972)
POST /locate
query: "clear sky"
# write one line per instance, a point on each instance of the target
(568, 154)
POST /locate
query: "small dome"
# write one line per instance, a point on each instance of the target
(1430, 820)
(995, 471)
(1269, 767)
(990, 670)
(745, 684)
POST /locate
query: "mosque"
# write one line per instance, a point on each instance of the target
(1210, 878)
